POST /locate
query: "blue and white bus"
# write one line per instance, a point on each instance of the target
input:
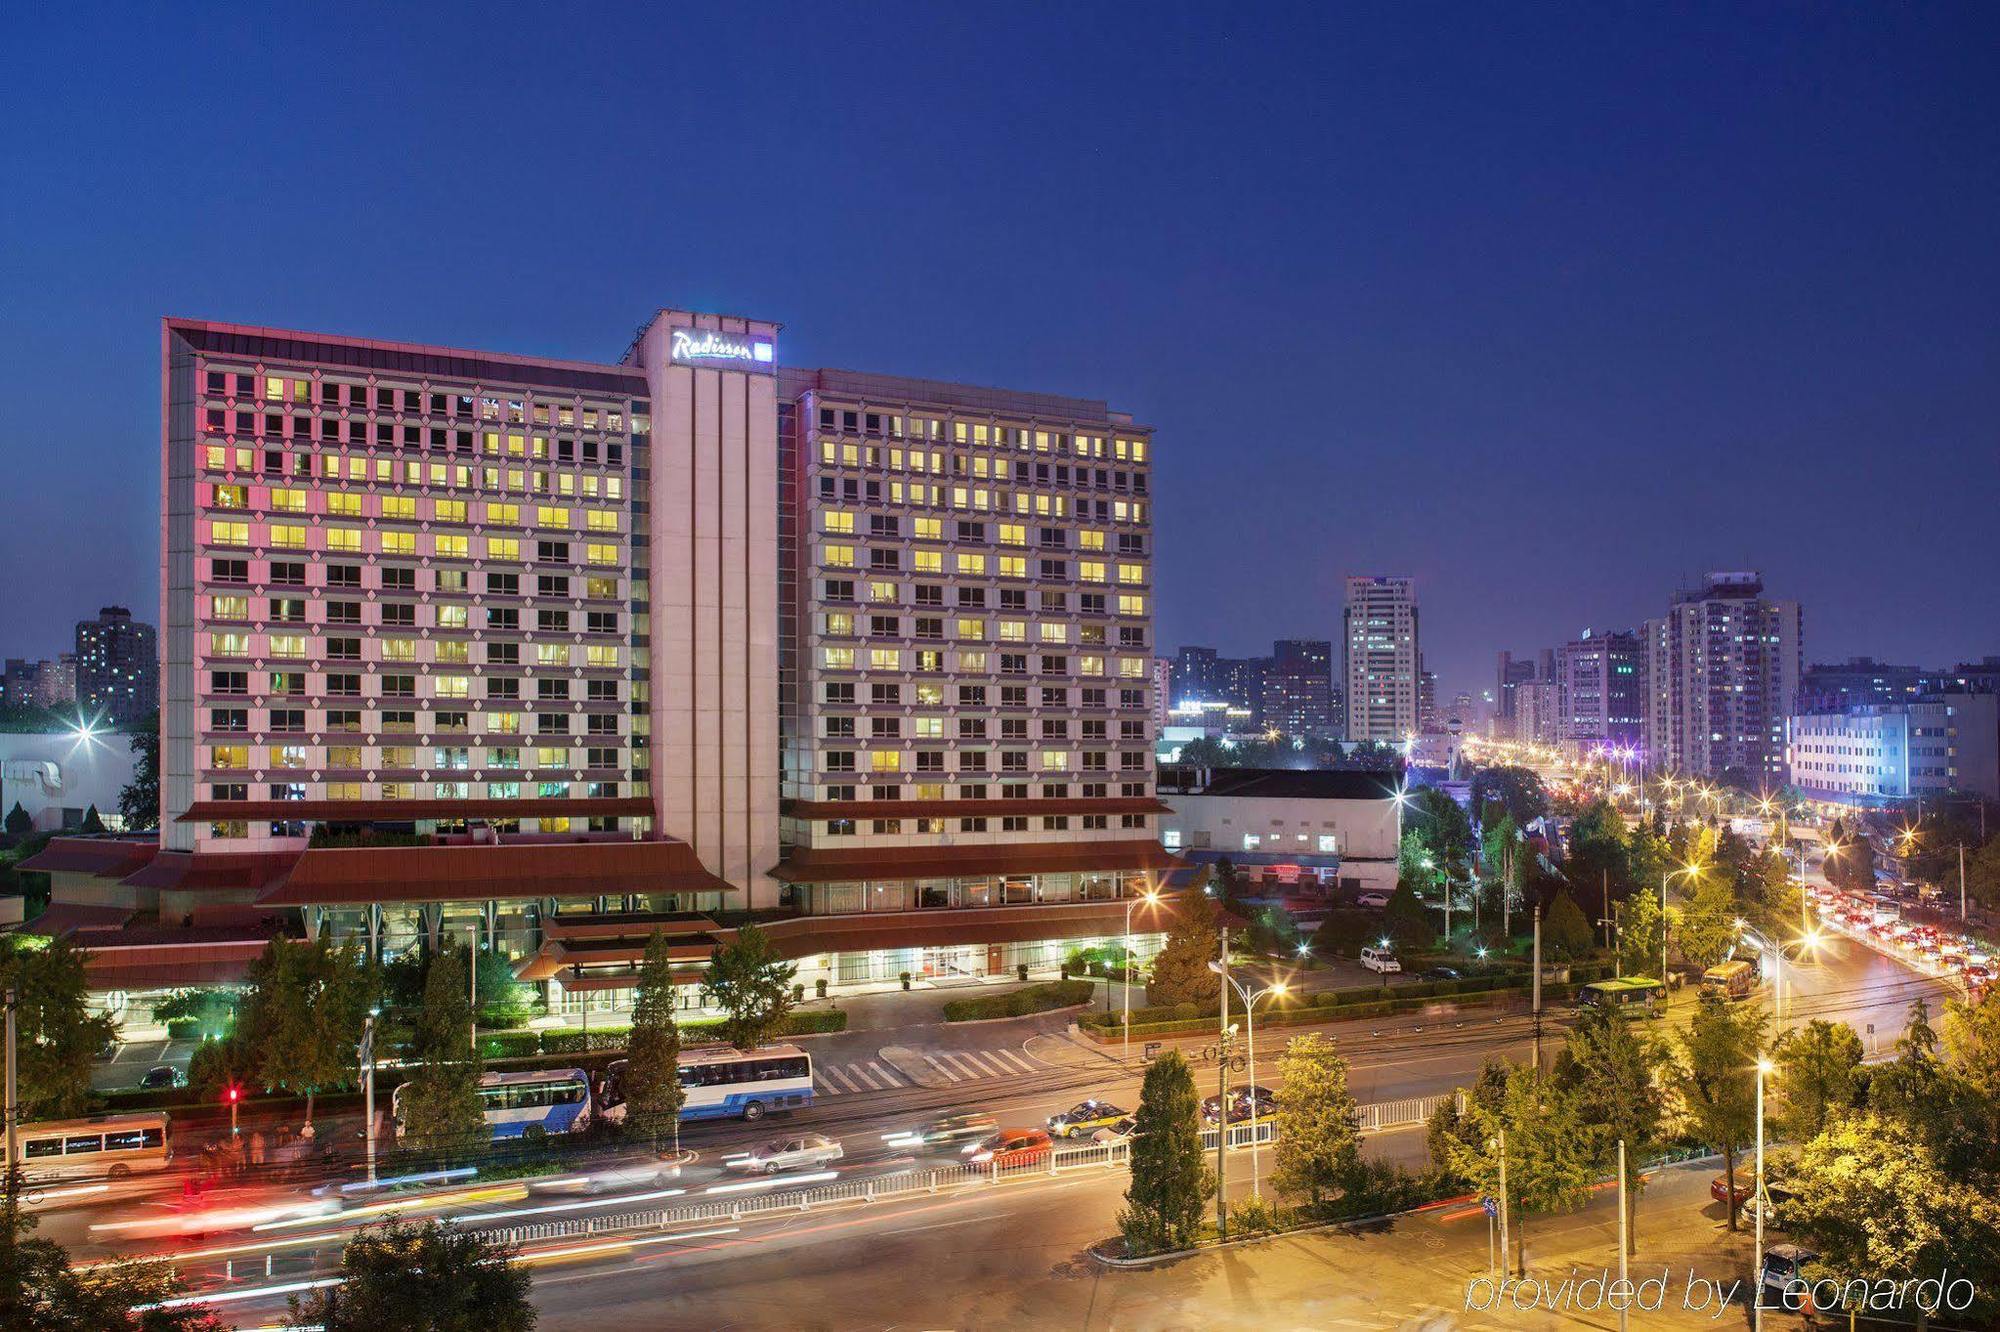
(727, 1083)
(531, 1104)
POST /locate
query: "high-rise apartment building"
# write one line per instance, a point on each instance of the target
(1722, 667)
(117, 666)
(1298, 687)
(625, 644)
(1195, 677)
(1603, 679)
(1380, 654)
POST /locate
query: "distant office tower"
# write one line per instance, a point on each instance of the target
(1515, 671)
(1194, 676)
(1603, 679)
(1722, 670)
(1298, 687)
(117, 665)
(1428, 720)
(1379, 643)
(1239, 681)
(1538, 712)
(1163, 679)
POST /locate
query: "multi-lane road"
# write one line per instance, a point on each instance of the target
(1010, 1255)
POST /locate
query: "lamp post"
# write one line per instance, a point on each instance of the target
(1757, 1265)
(1250, 998)
(1150, 898)
(367, 1053)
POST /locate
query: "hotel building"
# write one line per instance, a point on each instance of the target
(552, 654)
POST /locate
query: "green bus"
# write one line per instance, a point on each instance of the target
(1640, 992)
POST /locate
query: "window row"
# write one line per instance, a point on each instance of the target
(354, 577)
(926, 694)
(978, 499)
(370, 541)
(887, 425)
(339, 685)
(352, 721)
(974, 728)
(352, 469)
(406, 615)
(843, 624)
(932, 660)
(447, 651)
(976, 467)
(245, 387)
(1006, 823)
(408, 508)
(975, 760)
(977, 564)
(844, 522)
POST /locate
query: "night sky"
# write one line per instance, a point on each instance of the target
(1551, 308)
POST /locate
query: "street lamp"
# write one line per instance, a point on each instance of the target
(1249, 998)
(1757, 1265)
(1150, 898)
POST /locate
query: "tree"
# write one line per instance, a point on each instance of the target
(1516, 793)
(1639, 927)
(1452, 1129)
(139, 801)
(1171, 1181)
(753, 985)
(1982, 872)
(1707, 930)
(1611, 1073)
(1717, 1079)
(301, 1018)
(1318, 1143)
(1180, 969)
(93, 823)
(1565, 933)
(653, 1092)
(1547, 1152)
(56, 1036)
(1937, 1101)
(428, 1278)
(1600, 857)
(503, 1001)
(1405, 921)
(442, 1114)
(1869, 1198)
(19, 825)
(1818, 1076)
(40, 1292)
(1439, 826)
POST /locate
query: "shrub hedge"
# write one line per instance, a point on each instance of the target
(1034, 999)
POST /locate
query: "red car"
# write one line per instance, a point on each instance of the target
(1718, 1189)
(1010, 1147)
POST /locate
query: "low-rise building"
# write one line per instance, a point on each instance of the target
(1882, 753)
(1315, 829)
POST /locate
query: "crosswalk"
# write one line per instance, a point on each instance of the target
(950, 1065)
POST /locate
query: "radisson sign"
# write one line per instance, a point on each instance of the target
(732, 351)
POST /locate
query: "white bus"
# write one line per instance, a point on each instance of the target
(525, 1105)
(113, 1146)
(727, 1083)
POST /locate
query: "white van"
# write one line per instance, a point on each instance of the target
(1380, 959)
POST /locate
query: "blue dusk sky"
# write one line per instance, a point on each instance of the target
(1552, 307)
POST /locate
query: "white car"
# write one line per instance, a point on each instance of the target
(1376, 900)
(800, 1153)
(643, 1173)
(1380, 960)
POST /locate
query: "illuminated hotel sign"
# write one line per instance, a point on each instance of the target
(722, 351)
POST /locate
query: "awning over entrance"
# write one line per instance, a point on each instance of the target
(332, 876)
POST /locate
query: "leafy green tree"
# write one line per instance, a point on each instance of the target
(442, 1114)
(213, 1011)
(1171, 1182)
(56, 1036)
(1565, 933)
(1982, 872)
(753, 986)
(1180, 970)
(93, 823)
(1318, 1143)
(653, 1092)
(1600, 857)
(1440, 827)
(1639, 935)
(1548, 1154)
(1707, 929)
(41, 1292)
(1818, 1076)
(1452, 1129)
(301, 1017)
(1870, 1199)
(139, 801)
(19, 824)
(1717, 1079)
(1611, 1072)
(503, 1001)
(432, 1277)
(1516, 793)
(1273, 933)
(1405, 921)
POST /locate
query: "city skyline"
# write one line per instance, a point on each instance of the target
(1535, 323)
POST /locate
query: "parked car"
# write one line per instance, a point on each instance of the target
(1240, 1099)
(1381, 960)
(162, 1077)
(800, 1153)
(1122, 1131)
(1719, 1189)
(1084, 1117)
(1784, 1267)
(1010, 1147)
(1375, 900)
(1440, 974)
(956, 1128)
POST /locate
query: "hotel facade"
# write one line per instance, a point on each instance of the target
(553, 654)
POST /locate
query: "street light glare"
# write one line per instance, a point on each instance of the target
(1764, 1065)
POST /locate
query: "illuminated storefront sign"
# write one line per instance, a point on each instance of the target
(737, 351)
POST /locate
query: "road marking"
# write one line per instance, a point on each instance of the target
(856, 1071)
(1019, 1061)
(836, 1083)
(948, 1074)
(961, 1063)
(888, 1079)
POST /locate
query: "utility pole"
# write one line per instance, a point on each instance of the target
(1222, 1099)
(1624, 1281)
(1538, 989)
(1606, 922)
(1507, 892)
(368, 1087)
(1505, 1261)
(1961, 879)
(472, 989)
(12, 1107)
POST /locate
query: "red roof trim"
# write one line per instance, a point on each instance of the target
(852, 864)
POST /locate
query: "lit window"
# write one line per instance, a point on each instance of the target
(229, 534)
(600, 554)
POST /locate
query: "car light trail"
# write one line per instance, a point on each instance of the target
(773, 1182)
(489, 1193)
(237, 1296)
(52, 1195)
(428, 1177)
(619, 1246)
(544, 1210)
